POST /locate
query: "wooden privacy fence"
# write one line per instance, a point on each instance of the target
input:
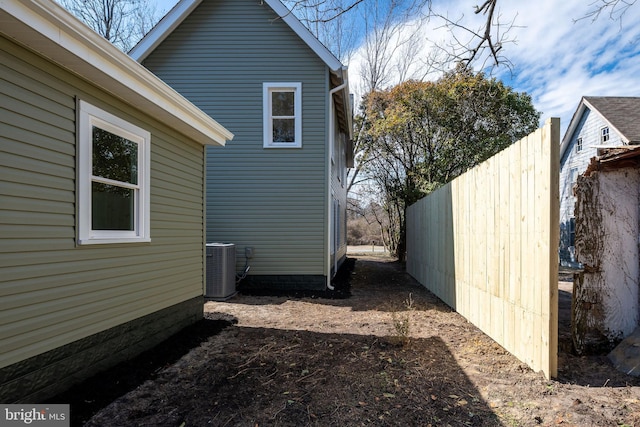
(487, 245)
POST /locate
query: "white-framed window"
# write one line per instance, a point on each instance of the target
(573, 175)
(282, 111)
(604, 134)
(573, 178)
(572, 231)
(113, 178)
(578, 145)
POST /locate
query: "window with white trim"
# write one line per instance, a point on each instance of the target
(282, 111)
(578, 145)
(113, 178)
(573, 175)
(604, 134)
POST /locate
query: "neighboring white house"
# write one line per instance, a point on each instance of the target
(599, 122)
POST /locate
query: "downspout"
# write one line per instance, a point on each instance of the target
(337, 88)
(331, 231)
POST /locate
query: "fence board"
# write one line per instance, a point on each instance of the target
(486, 244)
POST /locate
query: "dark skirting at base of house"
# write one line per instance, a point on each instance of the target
(302, 282)
(39, 377)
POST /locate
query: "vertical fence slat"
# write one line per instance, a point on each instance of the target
(541, 205)
(553, 139)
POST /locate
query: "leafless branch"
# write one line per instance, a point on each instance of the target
(330, 22)
(329, 11)
(387, 46)
(616, 10)
(122, 22)
(484, 44)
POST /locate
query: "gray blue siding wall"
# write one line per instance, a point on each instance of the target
(273, 200)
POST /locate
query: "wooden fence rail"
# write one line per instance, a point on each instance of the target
(487, 245)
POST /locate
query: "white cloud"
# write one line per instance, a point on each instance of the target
(557, 58)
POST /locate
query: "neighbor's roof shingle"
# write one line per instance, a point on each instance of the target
(622, 112)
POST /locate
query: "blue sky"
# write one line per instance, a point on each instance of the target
(558, 60)
(555, 59)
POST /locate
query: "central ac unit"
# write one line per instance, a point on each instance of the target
(221, 271)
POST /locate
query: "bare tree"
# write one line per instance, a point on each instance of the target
(389, 54)
(388, 42)
(329, 22)
(122, 22)
(470, 44)
(391, 41)
(328, 9)
(615, 9)
(475, 46)
(340, 24)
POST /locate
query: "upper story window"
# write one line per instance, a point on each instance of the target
(113, 178)
(578, 145)
(282, 111)
(604, 134)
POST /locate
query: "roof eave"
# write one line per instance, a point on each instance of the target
(573, 124)
(575, 120)
(623, 137)
(184, 8)
(49, 30)
(349, 110)
(162, 29)
(303, 32)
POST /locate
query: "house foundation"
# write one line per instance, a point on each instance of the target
(45, 375)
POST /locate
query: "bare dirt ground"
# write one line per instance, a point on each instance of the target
(383, 352)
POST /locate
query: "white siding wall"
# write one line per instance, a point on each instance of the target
(589, 130)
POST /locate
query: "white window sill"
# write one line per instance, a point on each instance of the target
(98, 241)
